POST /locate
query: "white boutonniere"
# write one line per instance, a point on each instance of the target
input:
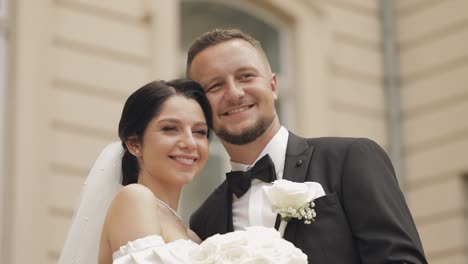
(294, 200)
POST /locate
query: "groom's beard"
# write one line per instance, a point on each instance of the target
(247, 135)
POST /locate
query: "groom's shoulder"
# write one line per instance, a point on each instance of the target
(219, 191)
(332, 141)
(338, 141)
(338, 144)
(214, 199)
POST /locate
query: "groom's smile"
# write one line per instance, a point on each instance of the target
(237, 110)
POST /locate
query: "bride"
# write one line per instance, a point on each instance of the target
(164, 131)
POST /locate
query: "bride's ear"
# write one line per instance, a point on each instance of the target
(133, 146)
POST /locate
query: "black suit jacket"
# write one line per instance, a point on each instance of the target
(363, 218)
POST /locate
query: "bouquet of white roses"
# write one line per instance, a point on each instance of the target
(254, 245)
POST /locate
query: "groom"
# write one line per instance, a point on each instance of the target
(363, 217)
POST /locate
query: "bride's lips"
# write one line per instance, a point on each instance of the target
(237, 110)
(187, 160)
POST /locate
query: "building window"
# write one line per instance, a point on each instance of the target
(198, 17)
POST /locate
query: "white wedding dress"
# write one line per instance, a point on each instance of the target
(153, 250)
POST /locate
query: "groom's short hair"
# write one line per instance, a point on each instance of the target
(217, 36)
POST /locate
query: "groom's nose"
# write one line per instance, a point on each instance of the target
(234, 90)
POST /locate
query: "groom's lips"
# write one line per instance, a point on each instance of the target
(238, 110)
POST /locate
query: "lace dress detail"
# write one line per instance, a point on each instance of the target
(153, 250)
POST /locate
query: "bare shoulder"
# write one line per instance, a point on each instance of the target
(134, 200)
(134, 193)
(132, 215)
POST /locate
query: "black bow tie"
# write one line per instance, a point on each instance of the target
(239, 181)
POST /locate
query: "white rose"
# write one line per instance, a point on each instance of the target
(281, 251)
(287, 194)
(295, 256)
(234, 254)
(258, 235)
(272, 251)
(219, 248)
(255, 245)
(234, 248)
(206, 253)
(232, 239)
(259, 259)
(290, 254)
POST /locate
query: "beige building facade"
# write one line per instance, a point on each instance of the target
(72, 63)
(433, 44)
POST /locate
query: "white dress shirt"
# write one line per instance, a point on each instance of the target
(254, 208)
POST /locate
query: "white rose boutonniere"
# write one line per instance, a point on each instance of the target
(293, 200)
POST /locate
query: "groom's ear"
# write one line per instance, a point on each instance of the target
(133, 146)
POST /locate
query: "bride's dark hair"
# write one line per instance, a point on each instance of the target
(144, 104)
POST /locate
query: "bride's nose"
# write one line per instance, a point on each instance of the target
(187, 141)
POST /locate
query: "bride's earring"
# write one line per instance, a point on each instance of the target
(133, 146)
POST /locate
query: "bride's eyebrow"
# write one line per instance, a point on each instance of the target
(200, 124)
(170, 119)
(175, 120)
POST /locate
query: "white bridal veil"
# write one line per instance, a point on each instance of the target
(103, 183)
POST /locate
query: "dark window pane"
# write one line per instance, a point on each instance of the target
(199, 17)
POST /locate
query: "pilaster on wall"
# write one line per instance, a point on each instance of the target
(355, 74)
(4, 64)
(432, 37)
(32, 140)
(165, 28)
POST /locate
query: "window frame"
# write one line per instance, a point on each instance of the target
(284, 78)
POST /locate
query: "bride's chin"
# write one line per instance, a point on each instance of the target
(186, 180)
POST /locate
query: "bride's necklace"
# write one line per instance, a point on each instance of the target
(169, 208)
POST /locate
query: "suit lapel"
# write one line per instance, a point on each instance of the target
(298, 155)
(229, 222)
(220, 220)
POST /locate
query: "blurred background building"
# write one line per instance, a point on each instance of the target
(393, 71)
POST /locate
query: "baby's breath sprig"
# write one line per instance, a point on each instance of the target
(305, 212)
